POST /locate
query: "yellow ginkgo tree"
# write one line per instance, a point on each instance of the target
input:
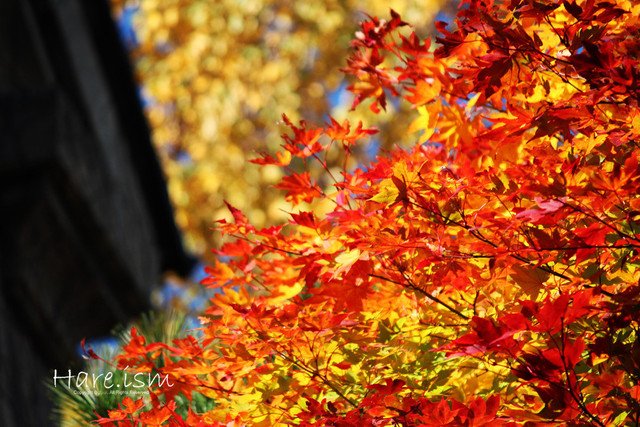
(217, 75)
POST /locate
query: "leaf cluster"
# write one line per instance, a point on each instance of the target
(489, 275)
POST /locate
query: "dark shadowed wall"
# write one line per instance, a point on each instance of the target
(86, 228)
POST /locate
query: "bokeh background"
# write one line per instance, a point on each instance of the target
(216, 76)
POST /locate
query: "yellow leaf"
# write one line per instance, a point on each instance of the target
(539, 94)
(529, 279)
(286, 292)
(345, 260)
(472, 102)
(425, 123)
(388, 192)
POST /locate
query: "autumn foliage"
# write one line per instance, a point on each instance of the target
(487, 276)
(216, 76)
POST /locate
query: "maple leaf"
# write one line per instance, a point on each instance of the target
(494, 66)
(299, 188)
(486, 336)
(343, 132)
(424, 92)
(130, 406)
(594, 234)
(305, 142)
(218, 275)
(156, 417)
(281, 159)
(449, 41)
(241, 223)
(114, 415)
(373, 31)
(305, 219)
(531, 280)
(545, 208)
(552, 313)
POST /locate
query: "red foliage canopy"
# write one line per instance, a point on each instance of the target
(489, 275)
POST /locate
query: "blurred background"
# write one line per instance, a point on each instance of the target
(215, 78)
(124, 126)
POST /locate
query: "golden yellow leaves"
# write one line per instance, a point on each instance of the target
(388, 193)
(530, 279)
(425, 123)
(394, 189)
(217, 75)
(425, 92)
